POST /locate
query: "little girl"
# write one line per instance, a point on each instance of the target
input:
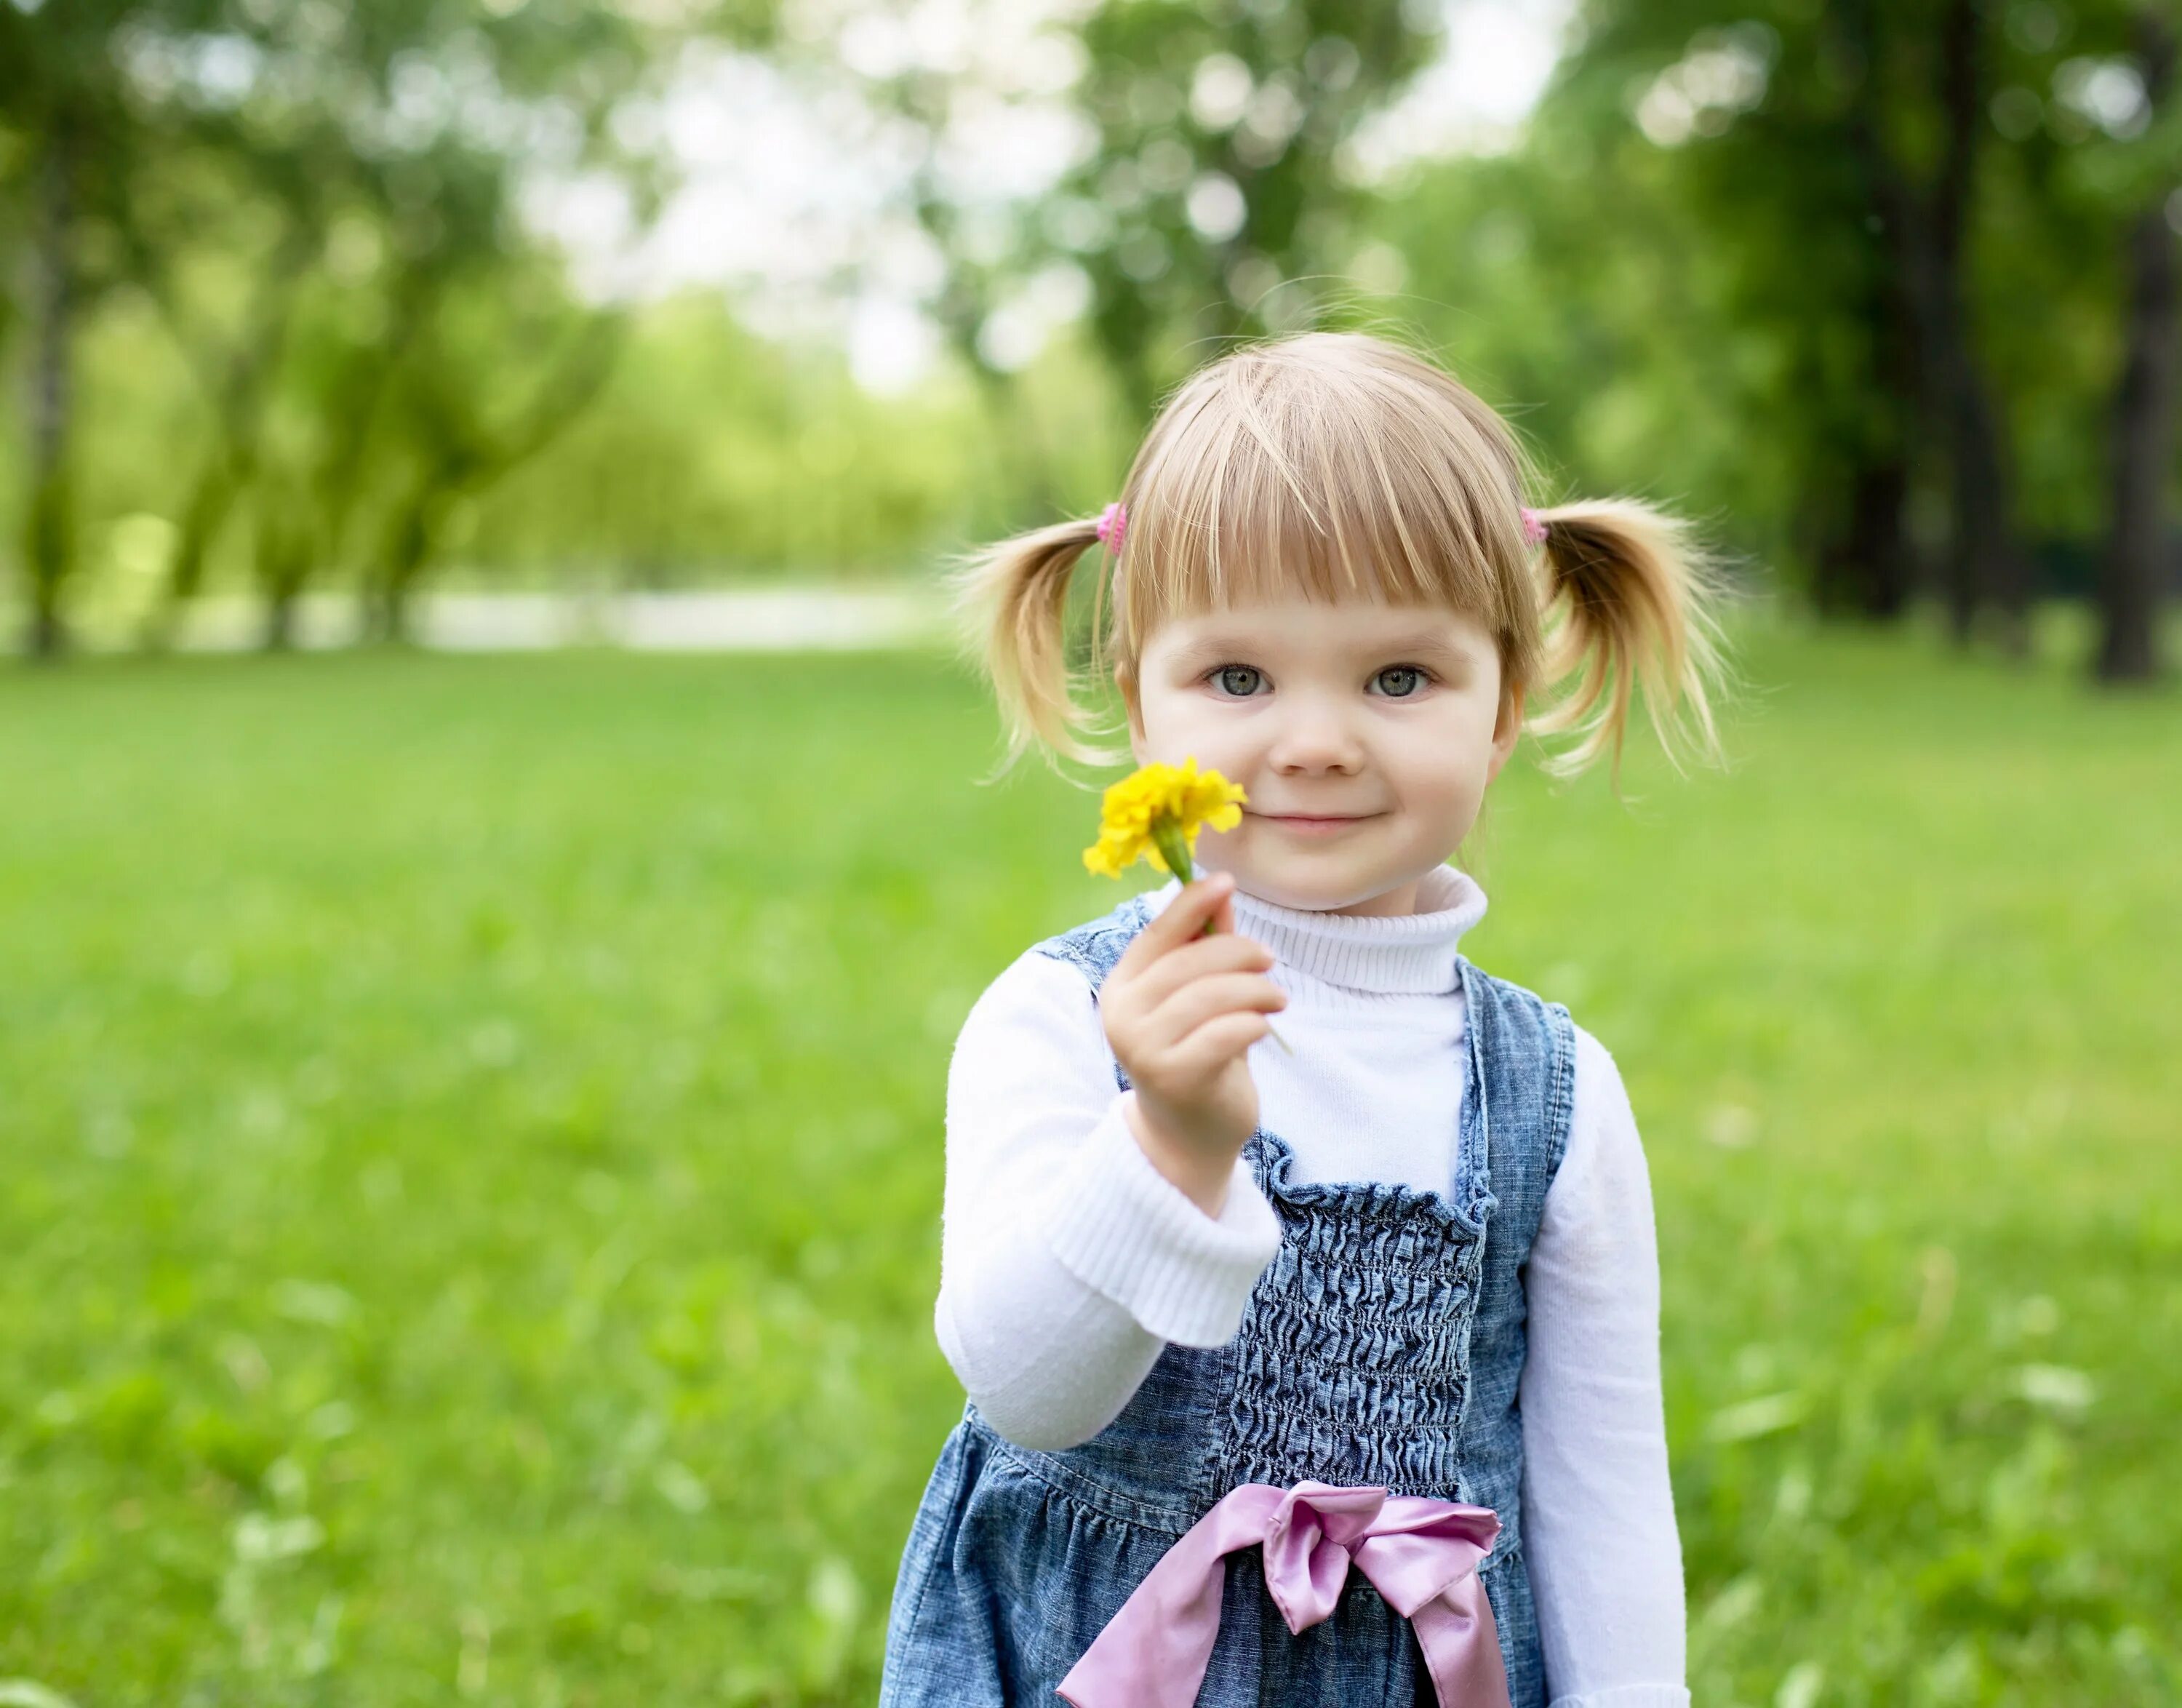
(1386, 1292)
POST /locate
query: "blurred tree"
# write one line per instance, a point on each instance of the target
(1835, 151)
(391, 155)
(1220, 178)
(2139, 554)
(1895, 220)
(1574, 285)
(1847, 278)
(1905, 305)
(712, 451)
(1209, 178)
(1929, 226)
(228, 236)
(254, 166)
(496, 373)
(74, 140)
(944, 92)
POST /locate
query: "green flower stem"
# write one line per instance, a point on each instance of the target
(1174, 849)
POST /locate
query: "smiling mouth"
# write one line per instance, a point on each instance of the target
(1317, 823)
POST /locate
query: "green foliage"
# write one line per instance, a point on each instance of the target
(1218, 177)
(711, 449)
(473, 1170)
(1614, 361)
(1695, 274)
(320, 202)
(1709, 271)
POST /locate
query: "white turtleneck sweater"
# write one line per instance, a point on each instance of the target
(1068, 1261)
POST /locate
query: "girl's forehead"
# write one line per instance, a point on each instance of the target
(1300, 623)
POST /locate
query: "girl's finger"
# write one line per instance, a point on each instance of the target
(1201, 957)
(1192, 906)
(1202, 1000)
(1216, 1043)
(1184, 917)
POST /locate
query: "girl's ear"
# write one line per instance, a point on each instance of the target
(1124, 679)
(1506, 730)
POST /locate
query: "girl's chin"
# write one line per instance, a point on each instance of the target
(1307, 895)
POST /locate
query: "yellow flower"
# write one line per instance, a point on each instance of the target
(1156, 814)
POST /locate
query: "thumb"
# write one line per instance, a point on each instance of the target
(1187, 916)
(1202, 903)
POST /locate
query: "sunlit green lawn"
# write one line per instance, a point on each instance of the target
(470, 1159)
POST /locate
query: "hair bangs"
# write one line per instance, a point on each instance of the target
(1277, 478)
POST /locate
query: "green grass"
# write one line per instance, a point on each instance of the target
(472, 1155)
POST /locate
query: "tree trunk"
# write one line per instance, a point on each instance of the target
(1867, 566)
(50, 543)
(284, 584)
(236, 386)
(1984, 565)
(208, 503)
(279, 635)
(1864, 570)
(1879, 497)
(1930, 232)
(388, 611)
(2136, 551)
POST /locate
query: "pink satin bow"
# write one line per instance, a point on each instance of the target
(1421, 1554)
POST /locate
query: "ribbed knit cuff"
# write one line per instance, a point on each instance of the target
(1126, 1230)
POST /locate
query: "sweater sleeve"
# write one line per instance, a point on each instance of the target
(1067, 1260)
(1598, 1512)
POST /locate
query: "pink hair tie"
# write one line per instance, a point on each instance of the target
(1113, 522)
(1534, 526)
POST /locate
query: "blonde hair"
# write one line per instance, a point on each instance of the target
(1342, 465)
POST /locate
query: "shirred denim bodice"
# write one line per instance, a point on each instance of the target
(1384, 1345)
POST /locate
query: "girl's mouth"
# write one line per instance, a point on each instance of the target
(1316, 823)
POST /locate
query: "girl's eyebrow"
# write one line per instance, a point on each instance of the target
(1220, 646)
(1425, 641)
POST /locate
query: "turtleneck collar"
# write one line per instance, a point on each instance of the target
(1401, 955)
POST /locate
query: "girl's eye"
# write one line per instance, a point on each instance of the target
(1399, 681)
(1240, 681)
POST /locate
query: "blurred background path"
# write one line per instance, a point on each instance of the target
(771, 619)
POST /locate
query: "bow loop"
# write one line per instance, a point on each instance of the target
(1421, 1554)
(1309, 1542)
(1419, 1549)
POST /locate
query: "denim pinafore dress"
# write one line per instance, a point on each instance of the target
(1384, 1345)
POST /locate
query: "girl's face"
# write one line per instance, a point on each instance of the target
(1364, 733)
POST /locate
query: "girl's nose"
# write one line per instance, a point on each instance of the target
(1314, 740)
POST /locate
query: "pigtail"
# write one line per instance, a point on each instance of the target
(1628, 602)
(1013, 599)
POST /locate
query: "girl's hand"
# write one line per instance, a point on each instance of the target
(1180, 1010)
